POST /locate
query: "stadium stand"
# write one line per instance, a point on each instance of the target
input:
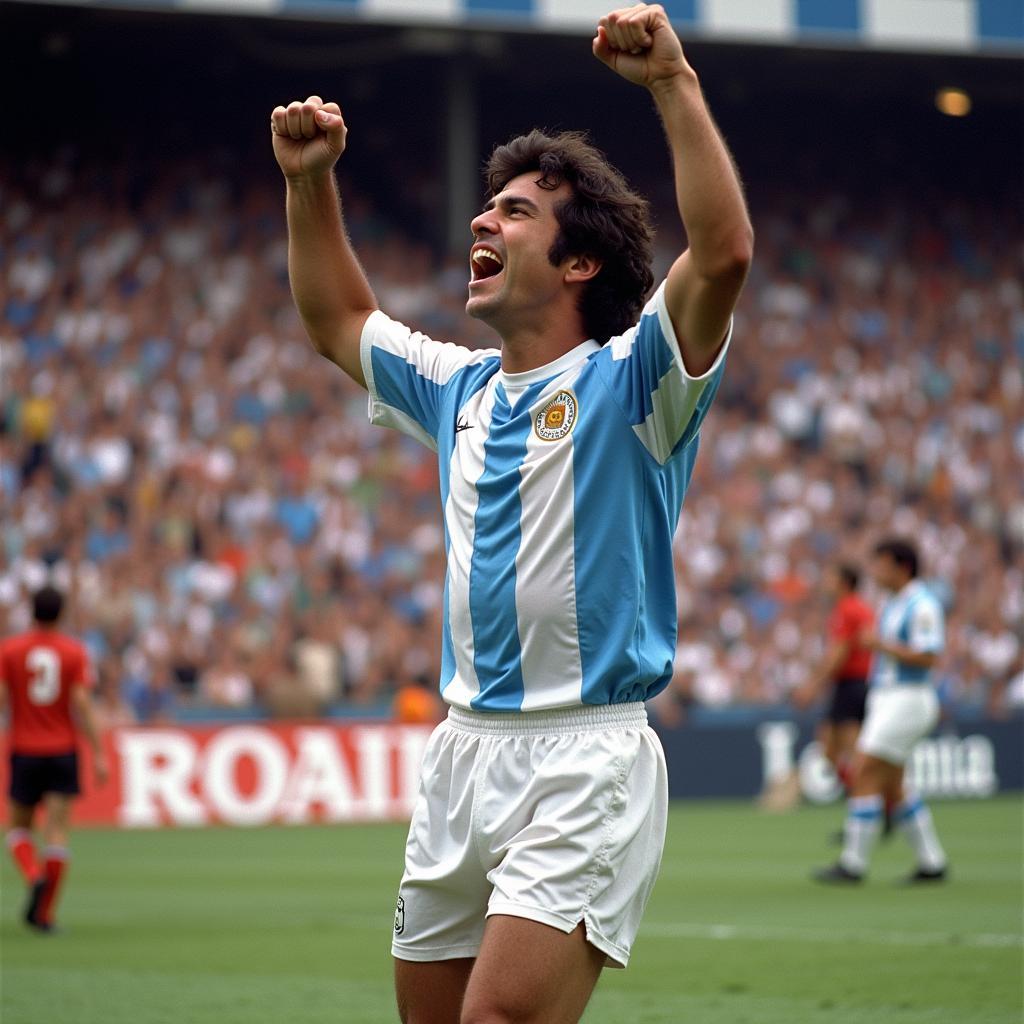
(236, 537)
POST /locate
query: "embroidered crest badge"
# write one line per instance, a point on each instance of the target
(558, 417)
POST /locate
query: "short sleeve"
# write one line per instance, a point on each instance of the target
(407, 375)
(665, 404)
(843, 624)
(927, 631)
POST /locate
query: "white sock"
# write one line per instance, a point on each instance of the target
(863, 823)
(915, 820)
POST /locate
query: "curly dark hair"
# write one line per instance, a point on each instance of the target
(900, 551)
(603, 218)
(47, 604)
(849, 574)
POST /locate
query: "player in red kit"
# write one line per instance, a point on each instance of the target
(45, 680)
(845, 667)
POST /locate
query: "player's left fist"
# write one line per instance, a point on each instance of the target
(640, 44)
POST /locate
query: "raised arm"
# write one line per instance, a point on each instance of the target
(704, 283)
(330, 289)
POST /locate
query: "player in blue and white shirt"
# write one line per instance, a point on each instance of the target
(560, 587)
(564, 457)
(902, 708)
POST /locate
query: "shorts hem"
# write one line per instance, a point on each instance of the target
(842, 718)
(429, 954)
(530, 913)
(883, 753)
(615, 954)
(31, 799)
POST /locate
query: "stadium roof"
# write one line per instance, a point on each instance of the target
(964, 26)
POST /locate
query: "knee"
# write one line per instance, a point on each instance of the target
(871, 777)
(864, 778)
(490, 1012)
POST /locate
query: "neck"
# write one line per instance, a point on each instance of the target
(518, 356)
(525, 346)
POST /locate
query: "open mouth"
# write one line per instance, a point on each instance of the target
(484, 262)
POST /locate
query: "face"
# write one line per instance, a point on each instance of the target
(888, 575)
(512, 281)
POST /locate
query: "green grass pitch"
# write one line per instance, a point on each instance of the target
(265, 926)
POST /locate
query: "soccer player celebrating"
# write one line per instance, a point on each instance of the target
(902, 708)
(45, 679)
(845, 666)
(564, 458)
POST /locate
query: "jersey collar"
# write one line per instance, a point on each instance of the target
(564, 362)
(908, 590)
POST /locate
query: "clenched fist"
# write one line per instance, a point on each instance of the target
(308, 137)
(640, 44)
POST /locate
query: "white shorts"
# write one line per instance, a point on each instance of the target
(896, 718)
(555, 816)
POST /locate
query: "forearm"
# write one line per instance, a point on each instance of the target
(828, 667)
(85, 719)
(906, 655)
(708, 190)
(330, 289)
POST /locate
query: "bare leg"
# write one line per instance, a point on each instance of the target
(21, 815)
(826, 736)
(874, 781)
(846, 734)
(431, 993)
(529, 973)
(873, 776)
(58, 818)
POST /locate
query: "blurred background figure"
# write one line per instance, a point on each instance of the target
(902, 708)
(45, 677)
(417, 703)
(843, 672)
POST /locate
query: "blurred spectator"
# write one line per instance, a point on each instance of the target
(417, 703)
(317, 657)
(224, 683)
(235, 535)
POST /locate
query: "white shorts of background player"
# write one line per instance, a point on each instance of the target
(896, 718)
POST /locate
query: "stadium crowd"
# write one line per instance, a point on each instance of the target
(235, 535)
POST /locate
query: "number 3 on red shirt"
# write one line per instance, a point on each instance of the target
(44, 682)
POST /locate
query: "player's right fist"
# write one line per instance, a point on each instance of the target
(308, 137)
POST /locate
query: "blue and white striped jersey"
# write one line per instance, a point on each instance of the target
(913, 618)
(561, 489)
